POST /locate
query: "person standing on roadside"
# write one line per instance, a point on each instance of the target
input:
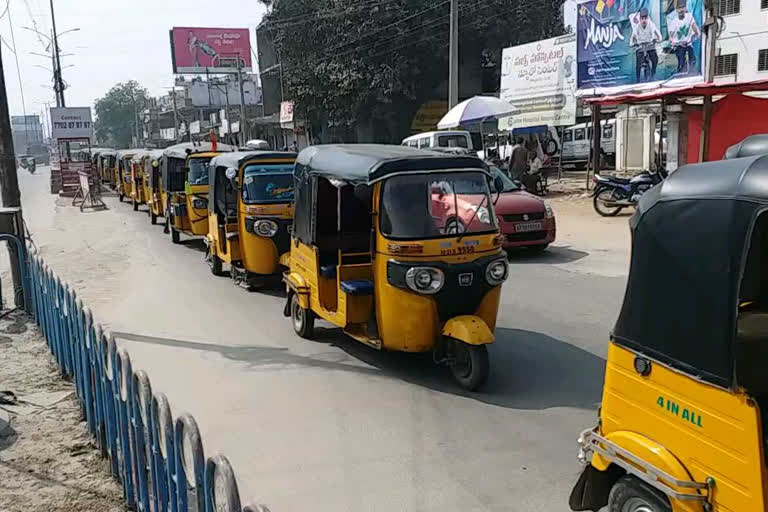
(519, 160)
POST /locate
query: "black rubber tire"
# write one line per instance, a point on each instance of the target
(630, 489)
(214, 262)
(135, 206)
(303, 320)
(473, 374)
(152, 218)
(120, 197)
(607, 212)
(175, 237)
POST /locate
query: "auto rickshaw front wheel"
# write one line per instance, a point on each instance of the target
(303, 320)
(470, 365)
(152, 218)
(175, 237)
(135, 206)
(120, 197)
(630, 494)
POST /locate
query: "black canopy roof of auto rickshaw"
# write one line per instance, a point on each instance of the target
(690, 239)
(368, 163)
(751, 146)
(184, 149)
(238, 158)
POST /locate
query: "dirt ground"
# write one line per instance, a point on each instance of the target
(48, 460)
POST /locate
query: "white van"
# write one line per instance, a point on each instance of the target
(441, 139)
(577, 143)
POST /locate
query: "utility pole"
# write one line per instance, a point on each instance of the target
(175, 115)
(453, 65)
(711, 26)
(57, 60)
(136, 119)
(9, 183)
(243, 123)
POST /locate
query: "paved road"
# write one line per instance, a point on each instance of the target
(330, 425)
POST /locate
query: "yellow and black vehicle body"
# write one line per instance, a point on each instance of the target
(124, 174)
(107, 160)
(185, 187)
(400, 248)
(137, 195)
(682, 424)
(153, 187)
(250, 214)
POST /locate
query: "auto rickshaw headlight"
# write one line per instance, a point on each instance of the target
(267, 228)
(426, 280)
(496, 272)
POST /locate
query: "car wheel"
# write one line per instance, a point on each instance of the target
(631, 495)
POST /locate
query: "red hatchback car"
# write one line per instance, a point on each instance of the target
(524, 219)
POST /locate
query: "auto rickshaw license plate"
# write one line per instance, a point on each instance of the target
(528, 226)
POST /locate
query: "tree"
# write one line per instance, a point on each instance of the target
(116, 114)
(372, 64)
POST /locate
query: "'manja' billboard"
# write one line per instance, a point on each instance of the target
(539, 80)
(71, 123)
(633, 44)
(211, 50)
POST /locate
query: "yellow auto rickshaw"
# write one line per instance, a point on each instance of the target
(400, 248)
(153, 185)
(106, 166)
(682, 425)
(185, 186)
(137, 178)
(250, 212)
(124, 173)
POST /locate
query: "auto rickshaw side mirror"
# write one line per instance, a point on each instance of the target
(498, 184)
(231, 173)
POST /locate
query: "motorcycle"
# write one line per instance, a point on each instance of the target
(613, 194)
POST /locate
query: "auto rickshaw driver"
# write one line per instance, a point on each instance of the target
(250, 215)
(400, 248)
(682, 424)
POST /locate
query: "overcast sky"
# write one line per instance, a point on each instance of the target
(118, 40)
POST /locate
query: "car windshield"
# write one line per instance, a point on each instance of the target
(198, 171)
(509, 185)
(268, 183)
(420, 206)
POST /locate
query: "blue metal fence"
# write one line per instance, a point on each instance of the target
(159, 462)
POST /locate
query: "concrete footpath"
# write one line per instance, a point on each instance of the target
(330, 425)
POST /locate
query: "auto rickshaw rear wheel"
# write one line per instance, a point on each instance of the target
(470, 365)
(175, 237)
(135, 206)
(630, 494)
(152, 218)
(303, 320)
(120, 197)
(215, 263)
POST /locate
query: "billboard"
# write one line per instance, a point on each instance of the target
(210, 50)
(71, 123)
(636, 44)
(539, 79)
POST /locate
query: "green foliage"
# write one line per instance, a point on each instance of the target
(116, 114)
(347, 62)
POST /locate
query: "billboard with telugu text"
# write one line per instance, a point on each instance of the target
(539, 80)
(210, 50)
(636, 44)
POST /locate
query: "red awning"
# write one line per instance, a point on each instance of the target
(708, 89)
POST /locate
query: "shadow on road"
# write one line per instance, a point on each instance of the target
(553, 255)
(529, 370)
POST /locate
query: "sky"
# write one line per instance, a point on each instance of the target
(118, 40)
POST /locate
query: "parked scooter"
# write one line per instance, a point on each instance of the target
(613, 194)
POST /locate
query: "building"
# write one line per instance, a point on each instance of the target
(742, 48)
(27, 131)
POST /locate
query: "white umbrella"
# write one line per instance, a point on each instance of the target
(475, 110)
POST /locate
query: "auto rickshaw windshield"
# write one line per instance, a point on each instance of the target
(198, 171)
(268, 183)
(420, 206)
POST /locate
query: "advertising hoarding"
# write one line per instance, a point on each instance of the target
(637, 44)
(539, 79)
(71, 123)
(210, 50)
(286, 115)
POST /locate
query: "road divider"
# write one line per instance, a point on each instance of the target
(159, 461)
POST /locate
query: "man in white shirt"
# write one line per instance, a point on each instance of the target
(682, 31)
(644, 36)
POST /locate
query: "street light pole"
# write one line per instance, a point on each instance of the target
(453, 65)
(711, 26)
(57, 61)
(175, 115)
(243, 137)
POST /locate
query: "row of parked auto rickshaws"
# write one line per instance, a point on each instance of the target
(370, 239)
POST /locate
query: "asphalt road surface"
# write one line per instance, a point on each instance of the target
(331, 425)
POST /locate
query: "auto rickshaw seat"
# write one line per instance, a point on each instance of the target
(357, 287)
(328, 271)
(752, 351)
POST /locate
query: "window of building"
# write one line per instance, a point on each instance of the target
(728, 7)
(762, 59)
(726, 64)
